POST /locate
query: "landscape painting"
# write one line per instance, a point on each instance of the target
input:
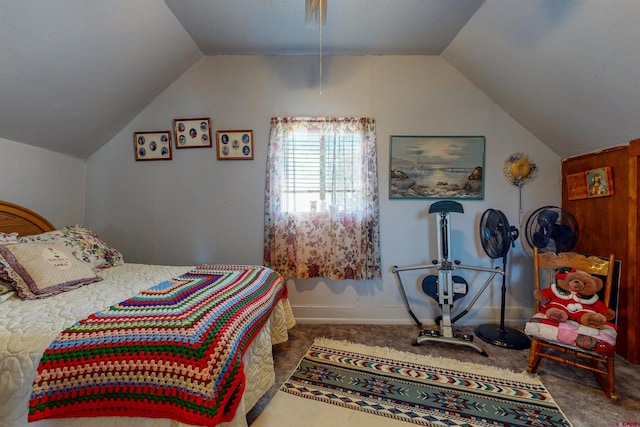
(436, 167)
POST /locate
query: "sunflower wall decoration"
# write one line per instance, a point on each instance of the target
(519, 170)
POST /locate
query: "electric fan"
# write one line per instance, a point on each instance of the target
(552, 229)
(497, 237)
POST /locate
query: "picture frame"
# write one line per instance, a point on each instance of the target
(599, 182)
(193, 133)
(576, 186)
(234, 144)
(436, 167)
(155, 145)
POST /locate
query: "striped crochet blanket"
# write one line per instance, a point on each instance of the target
(174, 351)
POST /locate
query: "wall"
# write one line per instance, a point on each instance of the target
(49, 183)
(196, 209)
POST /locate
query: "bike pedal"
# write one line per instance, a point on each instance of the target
(465, 337)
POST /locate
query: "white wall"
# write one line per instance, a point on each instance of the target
(49, 183)
(197, 209)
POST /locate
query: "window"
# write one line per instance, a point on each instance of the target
(321, 205)
(321, 172)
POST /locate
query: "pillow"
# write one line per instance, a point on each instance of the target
(6, 291)
(8, 238)
(84, 243)
(602, 341)
(39, 270)
(4, 272)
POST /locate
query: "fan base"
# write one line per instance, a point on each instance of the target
(503, 336)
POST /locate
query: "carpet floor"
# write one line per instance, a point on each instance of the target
(342, 383)
(574, 390)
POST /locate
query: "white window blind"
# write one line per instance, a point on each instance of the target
(321, 172)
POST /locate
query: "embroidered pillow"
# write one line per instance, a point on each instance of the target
(85, 245)
(39, 270)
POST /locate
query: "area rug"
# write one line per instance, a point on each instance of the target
(339, 383)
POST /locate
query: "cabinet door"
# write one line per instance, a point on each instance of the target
(610, 225)
(633, 312)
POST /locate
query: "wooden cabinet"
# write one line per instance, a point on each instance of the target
(610, 225)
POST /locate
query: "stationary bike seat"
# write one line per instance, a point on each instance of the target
(446, 206)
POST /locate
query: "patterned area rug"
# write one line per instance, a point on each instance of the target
(338, 383)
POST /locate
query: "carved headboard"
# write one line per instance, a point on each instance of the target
(16, 218)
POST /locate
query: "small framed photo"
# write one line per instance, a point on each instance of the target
(152, 145)
(192, 133)
(599, 182)
(235, 144)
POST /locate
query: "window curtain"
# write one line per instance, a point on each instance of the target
(333, 239)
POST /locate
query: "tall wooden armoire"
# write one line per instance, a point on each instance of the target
(610, 224)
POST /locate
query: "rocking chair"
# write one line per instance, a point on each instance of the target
(570, 343)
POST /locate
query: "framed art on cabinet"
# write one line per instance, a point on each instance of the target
(599, 182)
(192, 133)
(234, 144)
(576, 186)
(152, 145)
(436, 167)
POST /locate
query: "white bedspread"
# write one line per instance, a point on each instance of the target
(28, 327)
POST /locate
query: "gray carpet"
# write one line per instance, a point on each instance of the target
(576, 391)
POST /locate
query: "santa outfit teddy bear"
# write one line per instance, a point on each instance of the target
(574, 297)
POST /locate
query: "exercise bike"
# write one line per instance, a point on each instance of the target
(445, 288)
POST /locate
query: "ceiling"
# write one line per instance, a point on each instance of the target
(73, 75)
(354, 27)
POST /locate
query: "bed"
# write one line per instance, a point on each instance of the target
(33, 330)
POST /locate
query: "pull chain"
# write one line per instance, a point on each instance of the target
(321, 21)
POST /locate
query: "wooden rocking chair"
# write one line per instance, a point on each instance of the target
(591, 352)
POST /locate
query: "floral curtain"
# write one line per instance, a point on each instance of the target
(334, 239)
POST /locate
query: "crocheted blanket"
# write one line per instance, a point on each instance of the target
(173, 351)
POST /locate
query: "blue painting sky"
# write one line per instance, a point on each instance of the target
(465, 152)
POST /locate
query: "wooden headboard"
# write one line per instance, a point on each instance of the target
(16, 218)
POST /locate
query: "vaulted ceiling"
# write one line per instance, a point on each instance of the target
(75, 72)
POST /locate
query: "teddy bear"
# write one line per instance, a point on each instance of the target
(574, 297)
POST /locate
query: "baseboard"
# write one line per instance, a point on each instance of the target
(398, 315)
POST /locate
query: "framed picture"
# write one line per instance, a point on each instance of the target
(436, 167)
(599, 182)
(192, 133)
(576, 186)
(152, 145)
(235, 144)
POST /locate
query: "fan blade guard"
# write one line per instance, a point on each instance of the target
(551, 228)
(495, 233)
